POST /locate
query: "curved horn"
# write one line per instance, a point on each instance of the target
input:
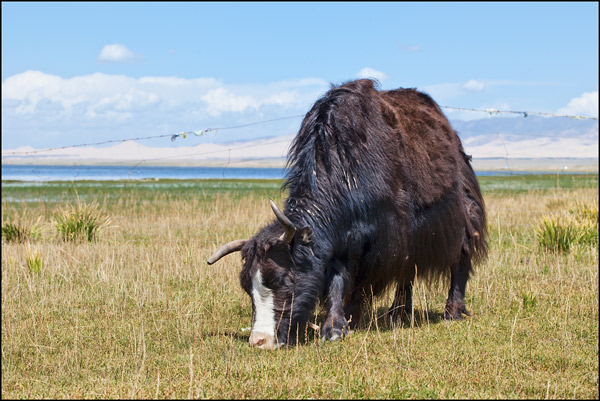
(226, 249)
(289, 228)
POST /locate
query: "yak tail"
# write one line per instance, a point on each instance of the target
(476, 244)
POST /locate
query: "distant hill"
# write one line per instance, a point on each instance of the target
(535, 126)
(529, 137)
(533, 142)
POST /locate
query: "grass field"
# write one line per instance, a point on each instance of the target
(138, 313)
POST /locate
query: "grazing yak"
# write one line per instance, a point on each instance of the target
(380, 192)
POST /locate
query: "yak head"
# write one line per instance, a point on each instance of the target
(277, 274)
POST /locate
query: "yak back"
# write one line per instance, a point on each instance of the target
(397, 138)
(428, 142)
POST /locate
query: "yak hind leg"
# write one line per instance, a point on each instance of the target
(402, 306)
(455, 305)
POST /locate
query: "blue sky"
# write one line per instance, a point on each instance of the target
(84, 72)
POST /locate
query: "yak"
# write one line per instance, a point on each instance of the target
(380, 192)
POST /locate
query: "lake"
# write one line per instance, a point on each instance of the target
(105, 173)
(45, 173)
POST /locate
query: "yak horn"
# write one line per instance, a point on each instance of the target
(289, 228)
(226, 249)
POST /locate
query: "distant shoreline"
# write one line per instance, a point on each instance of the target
(481, 164)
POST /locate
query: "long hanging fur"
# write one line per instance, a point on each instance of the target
(385, 181)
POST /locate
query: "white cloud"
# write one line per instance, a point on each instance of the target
(38, 108)
(30, 88)
(369, 72)
(119, 92)
(584, 105)
(222, 100)
(473, 86)
(115, 53)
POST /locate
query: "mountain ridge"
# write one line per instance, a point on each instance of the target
(515, 138)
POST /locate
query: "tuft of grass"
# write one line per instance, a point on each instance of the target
(586, 217)
(34, 262)
(560, 233)
(80, 222)
(20, 232)
(529, 301)
(556, 234)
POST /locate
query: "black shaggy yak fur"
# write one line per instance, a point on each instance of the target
(379, 188)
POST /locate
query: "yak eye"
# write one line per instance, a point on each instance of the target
(274, 278)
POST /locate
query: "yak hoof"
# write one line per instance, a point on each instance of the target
(457, 314)
(449, 316)
(333, 334)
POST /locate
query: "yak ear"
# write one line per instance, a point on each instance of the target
(306, 235)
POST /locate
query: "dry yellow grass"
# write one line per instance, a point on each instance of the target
(138, 313)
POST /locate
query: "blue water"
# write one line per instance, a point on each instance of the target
(44, 173)
(103, 173)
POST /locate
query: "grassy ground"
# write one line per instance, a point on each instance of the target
(138, 313)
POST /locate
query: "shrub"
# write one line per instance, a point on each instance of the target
(80, 222)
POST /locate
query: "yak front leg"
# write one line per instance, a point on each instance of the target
(335, 326)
